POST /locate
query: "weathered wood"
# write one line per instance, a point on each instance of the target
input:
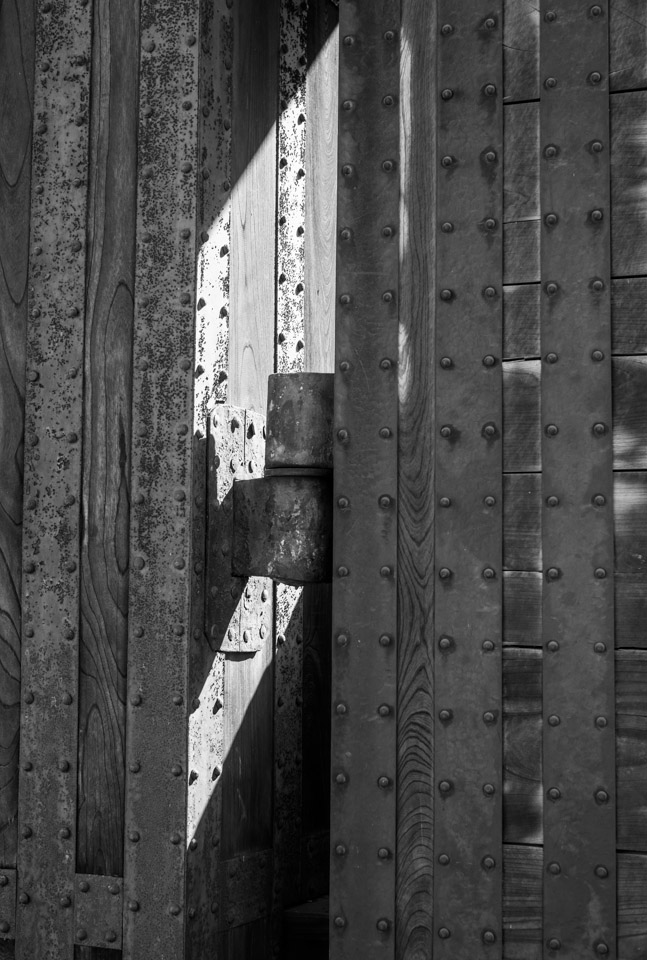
(253, 228)
(106, 462)
(628, 117)
(16, 93)
(415, 774)
(628, 45)
(630, 413)
(522, 608)
(521, 251)
(631, 735)
(521, 427)
(522, 521)
(522, 159)
(321, 187)
(630, 506)
(521, 321)
(522, 725)
(520, 50)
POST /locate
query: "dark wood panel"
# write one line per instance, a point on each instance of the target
(16, 93)
(415, 762)
(522, 608)
(521, 321)
(522, 521)
(630, 517)
(630, 413)
(522, 892)
(106, 467)
(628, 44)
(521, 252)
(629, 315)
(522, 726)
(520, 50)
(521, 167)
(629, 184)
(521, 411)
(321, 188)
(631, 748)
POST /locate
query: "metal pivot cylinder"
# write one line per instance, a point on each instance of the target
(283, 521)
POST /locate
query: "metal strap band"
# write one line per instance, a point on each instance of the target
(468, 609)
(579, 727)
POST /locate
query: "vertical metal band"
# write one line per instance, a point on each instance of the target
(161, 483)
(51, 533)
(579, 727)
(363, 815)
(468, 621)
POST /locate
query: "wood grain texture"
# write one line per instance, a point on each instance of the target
(522, 622)
(631, 752)
(629, 315)
(522, 726)
(630, 521)
(16, 94)
(521, 251)
(415, 770)
(628, 44)
(630, 413)
(107, 434)
(253, 164)
(520, 50)
(521, 321)
(628, 118)
(522, 160)
(321, 187)
(522, 521)
(521, 425)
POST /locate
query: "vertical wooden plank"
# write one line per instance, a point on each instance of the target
(253, 216)
(363, 799)
(53, 425)
(106, 438)
(161, 483)
(579, 884)
(16, 95)
(469, 463)
(415, 796)
(321, 187)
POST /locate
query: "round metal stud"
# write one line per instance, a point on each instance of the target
(488, 360)
(490, 224)
(445, 502)
(550, 16)
(387, 296)
(597, 215)
(489, 937)
(339, 922)
(385, 433)
(343, 435)
(597, 356)
(601, 949)
(490, 156)
(343, 503)
(601, 722)
(599, 429)
(133, 905)
(489, 23)
(597, 146)
(341, 709)
(489, 717)
(488, 573)
(349, 41)
(340, 850)
(384, 782)
(445, 573)
(600, 647)
(341, 778)
(24, 898)
(345, 234)
(446, 295)
(347, 105)
(551, 219)
(387, 232)
(345, 299)
(601, 872)
(551, 151)
(26, 833)
(388, 100)
(448, 161)
(446, 363)
(552, 501)
(386, 364)
(489, 431)
(597, 285)
(551, 288)
(600, 573)
(344, 366)
(552, 646)
(445, 716)
(341, 640)
(554, 794)
(444, 933)
(550, 83)
(489, 789)
(488, 863)
(386, 640)
(384, 710)
(601, 796)
(447, 227)
(552, 430)
(489, 292)
(554, 868)
(388, 166)
(445, 643)
(347, 169)
(447, 94)
(554, 943)
(443, 859)
(445, 786)
(599, 500)
(65, 902)
(385, 502)
(342, 571)
(489, 90)
(554, 720)
(595, 77)
(489, 501)
(487, 646)
(447, 29)
(383, 925)
(134, 836)
(4, 926)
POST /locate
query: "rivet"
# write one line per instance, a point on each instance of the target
(489, 292)
(344, 366)
(552, 430)
(600, 647)
(341, 709)
(554, 720)
(133, 836)
(489, 360)
(601, 949)
(550, 16)
(63, 766)
(388, 166)
(595, 77)
(341, 640)
(597, 285)
(347, 105)
(136, 700)
(490, 156)
(23, 898)
(4, 880)
(385, 640)
(551, 358)
(489, 717)
(446, 431)
(444, 933)
(489, 789)
(445, 643)
(554, 868)
(345, 234)
(174, 909)
(383, 853)
(550, 83)
(387, 232)
(488, 573)
(601, 872)
(444, 573)
(489, 90)
(489, 936)
(551, 219)
(29, 697)
(554, 794)
(552, 646)
(601, 722)
(347, 169)
(599, 429)
(597, 146)
(448, 161)
(134, 767)
(445, 786)
(490, 223)
(342, 436)
(388, 100)
(443, 859)
(447, 29)
(133, 906)
(65, 902)
(4, 926)
(26, 832)
(343, 503)
(110, 936)
(597, 356)
(554, 943)
(339, 922)
(342, 571)
(447, 94)
(599, 500)
(489, 23)
(386, 572)
(29, 567)
(383, 925)
(552, 501)
(340, 850)
(385, 433)
(551, 288)
(385, 502)
(600, 573)
(70, 566)
(597, 215)
(489, 431)
(447, 227)
(445, 716)
(445, 502)
(341, 778)
(551, 151)
(387, 296)
(384, 782)
(345, 299)
(27, 766)
(601, 796)
(488, 863)
(175, 839)
(386, 364)
(488, 646)
(489, 501)
(349, 41)
(596, 10)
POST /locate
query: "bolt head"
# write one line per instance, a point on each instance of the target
(551, 151)
(444, 573)
(554, 794)
(554, 868)
(444, 933)
(446, 363)
(551, 288)
(489, 717)
(447, 29)
(343, 503)
(489, 360)
(447, 227)
(552, 430)
(554, 720)
(550, 16)
(599, 429)
(595, 77)
(601, 872)
(386, 640)
(550, 83)
(600, 647)
(552, 501)
(446, 295)
(384, 710)
(601, 796)
(487, 646)
(385, 502)
(445, 786)
(489, 789)
(489, 573)
(488, 863)
(445, 643)
(447, 161)
(446, 431)
(601, 722)
(447, 94)
(552, 646)
(597, 216)
(551, 219)
(383, 925)
(554, 943)
(443, 859)
(445, 716)
(384, 783)
(489, 936)
(445, 502)
(601, 949)
(489, 501)
(339, 922)
(597, 356)
(340, 850)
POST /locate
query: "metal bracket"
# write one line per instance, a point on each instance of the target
(98, 904)
(7, 904)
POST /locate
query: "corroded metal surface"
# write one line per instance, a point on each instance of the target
(299, 420)
(245, 885)
(577, 488)
(53, 409)
(291, 187)
(363, 815)
(98, 910)
(161, 483)
(282, 529)
(468, 629)
(7, 904)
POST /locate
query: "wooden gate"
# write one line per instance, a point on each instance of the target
(488, 759)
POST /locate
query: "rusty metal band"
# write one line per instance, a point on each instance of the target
(7, 904)
(161, 482)
(468, 609)
(579, 714)
(98, 906)
(363, 814)
(51, 532)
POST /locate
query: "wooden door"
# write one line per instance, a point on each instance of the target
(488, 765)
